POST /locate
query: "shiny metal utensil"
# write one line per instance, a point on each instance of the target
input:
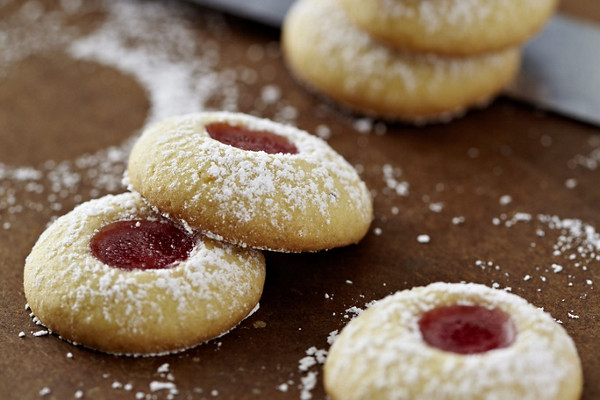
(561, 70)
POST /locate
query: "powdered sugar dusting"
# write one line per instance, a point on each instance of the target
(576, 245)
(434, 16)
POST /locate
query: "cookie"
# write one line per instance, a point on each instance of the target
(453, 341)
(450, 27)
(113, 275)
(327, 53)
(250, 181)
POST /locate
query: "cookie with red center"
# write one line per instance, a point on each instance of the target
(453, 341)
(115, 276)
(330, 55)
(250, 181)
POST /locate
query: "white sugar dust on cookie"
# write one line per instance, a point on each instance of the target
(115, 276)
(450, 27)
(329, 54)
(251, 181)
(453, 341)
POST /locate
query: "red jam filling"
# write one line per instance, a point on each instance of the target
(141, 244)
(467, 329)
(247, 139)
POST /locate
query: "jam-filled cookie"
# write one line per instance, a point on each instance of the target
(113, 275)
(450, 27)
(250, 181)
(329, 54)
(453, 341)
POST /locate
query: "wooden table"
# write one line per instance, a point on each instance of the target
(500, 192)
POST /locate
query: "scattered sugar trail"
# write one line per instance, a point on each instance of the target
(391, 176)
(157, 45)
(151, 41)
(32, 31)
(308, 365)
(577, 240)
(311, 364)
(575, 252)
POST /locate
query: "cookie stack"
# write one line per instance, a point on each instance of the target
(416, 61)
(177, 260)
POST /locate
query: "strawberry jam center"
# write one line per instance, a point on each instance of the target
(467, 329)
(141, 244)
(247, 139)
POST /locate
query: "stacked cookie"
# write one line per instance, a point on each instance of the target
(410, 60)
(176, 260)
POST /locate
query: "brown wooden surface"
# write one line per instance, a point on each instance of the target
(59, 114)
